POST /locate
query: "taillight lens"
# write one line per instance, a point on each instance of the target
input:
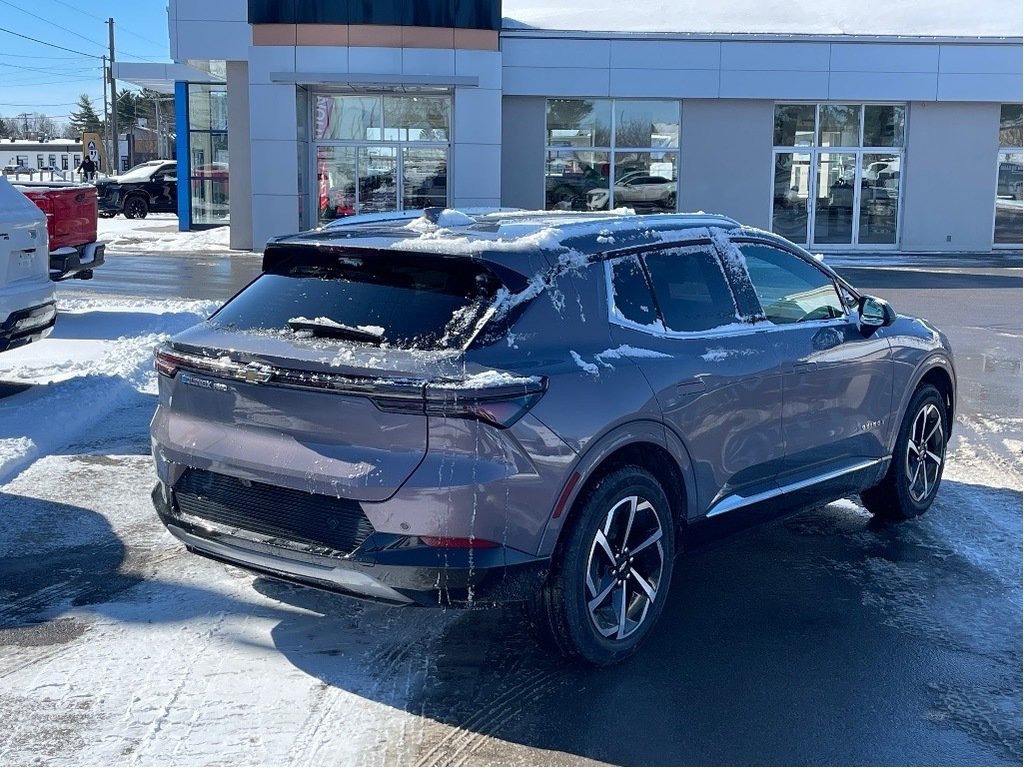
(166, 362)
(500, 405)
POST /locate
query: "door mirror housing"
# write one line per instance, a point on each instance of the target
(875, 313)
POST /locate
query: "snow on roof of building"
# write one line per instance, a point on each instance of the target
(911, 18)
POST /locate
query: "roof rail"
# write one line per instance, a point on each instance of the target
(410, 215)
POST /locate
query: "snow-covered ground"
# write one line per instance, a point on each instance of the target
(158, 233)
(119, 648)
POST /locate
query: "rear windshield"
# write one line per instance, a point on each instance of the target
(411, 301)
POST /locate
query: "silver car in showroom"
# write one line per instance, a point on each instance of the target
(472, 408)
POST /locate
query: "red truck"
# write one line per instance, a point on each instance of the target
(71, 213)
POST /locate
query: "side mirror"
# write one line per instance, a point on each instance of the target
(875, 313)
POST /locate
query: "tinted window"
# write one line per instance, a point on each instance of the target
(418, 301)
(790, 289)
(631, 295)
(690, 289)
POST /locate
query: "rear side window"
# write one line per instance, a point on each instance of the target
(413, 301)
(690, 289)
(631, 295)
(790, 289)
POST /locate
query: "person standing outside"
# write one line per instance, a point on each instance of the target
(88, 168)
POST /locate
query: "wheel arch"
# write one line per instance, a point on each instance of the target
(646, 444)
(937, 370)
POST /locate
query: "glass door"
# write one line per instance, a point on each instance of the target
(835, 197)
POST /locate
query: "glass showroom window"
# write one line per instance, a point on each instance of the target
(208, 151)
(379, 153)
(836, 177)
(606, 153)
(1008, 228)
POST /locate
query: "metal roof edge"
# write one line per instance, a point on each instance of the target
(778, 37)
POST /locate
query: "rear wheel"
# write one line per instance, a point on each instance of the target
(910, 485)
(136, 207)
(610, 579)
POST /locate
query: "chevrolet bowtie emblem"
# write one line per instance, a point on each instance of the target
(254, 373)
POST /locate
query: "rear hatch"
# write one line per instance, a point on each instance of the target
(318, 376)
(70, 213)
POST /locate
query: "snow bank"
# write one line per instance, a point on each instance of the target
(99, 356)
(158, 234)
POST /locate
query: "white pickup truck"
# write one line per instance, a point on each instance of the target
(28, 302)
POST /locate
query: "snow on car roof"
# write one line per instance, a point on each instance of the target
(475, 231)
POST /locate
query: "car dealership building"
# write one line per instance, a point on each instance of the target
(853, 127)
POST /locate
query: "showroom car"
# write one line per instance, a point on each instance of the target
(474, 408)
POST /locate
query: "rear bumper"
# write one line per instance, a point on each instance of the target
(27, 325)
(76, 261)
(384, 567)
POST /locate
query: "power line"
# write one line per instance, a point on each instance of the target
(47, 57)
(48, 21)
(51, 45)
(47, 70)
(100, 18)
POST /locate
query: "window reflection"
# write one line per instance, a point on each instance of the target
(884, 125)
(839, 125)
(794, 125)
(792, 190)
(879, 198)
(378, 153)
(1009, 211)
(595, 143)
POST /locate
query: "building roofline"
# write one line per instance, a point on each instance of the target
(748, 37)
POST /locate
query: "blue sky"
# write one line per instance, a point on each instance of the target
(36, 77)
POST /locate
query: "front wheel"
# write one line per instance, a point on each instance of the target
(136, 208)
(610, 579)
(909, 487)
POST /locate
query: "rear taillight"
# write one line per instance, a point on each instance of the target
(167, 363)
(501, 404)
(449, 542)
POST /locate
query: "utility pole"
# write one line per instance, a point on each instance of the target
(113, 101)
(159, 136)
(106, 114)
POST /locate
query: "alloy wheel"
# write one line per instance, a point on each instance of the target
(926, 448)
(624, 569)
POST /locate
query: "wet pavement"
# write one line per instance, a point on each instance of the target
(825, 638)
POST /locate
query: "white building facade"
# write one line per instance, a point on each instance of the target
(863, 137)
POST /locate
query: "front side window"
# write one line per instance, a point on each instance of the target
(691, 289)
(790, 289)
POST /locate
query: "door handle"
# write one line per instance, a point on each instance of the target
(691, 387)
(804, 367)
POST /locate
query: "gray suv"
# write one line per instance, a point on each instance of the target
(477, 408)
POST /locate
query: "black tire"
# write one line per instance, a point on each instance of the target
(601, 599)
(136, 207)
(670, 201)
(910, 485)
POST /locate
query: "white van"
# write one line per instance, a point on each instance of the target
(28, 301)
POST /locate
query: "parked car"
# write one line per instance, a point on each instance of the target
(71, 212)
(28, 304)
(638, 190)
(151, 186)
(497, 407)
